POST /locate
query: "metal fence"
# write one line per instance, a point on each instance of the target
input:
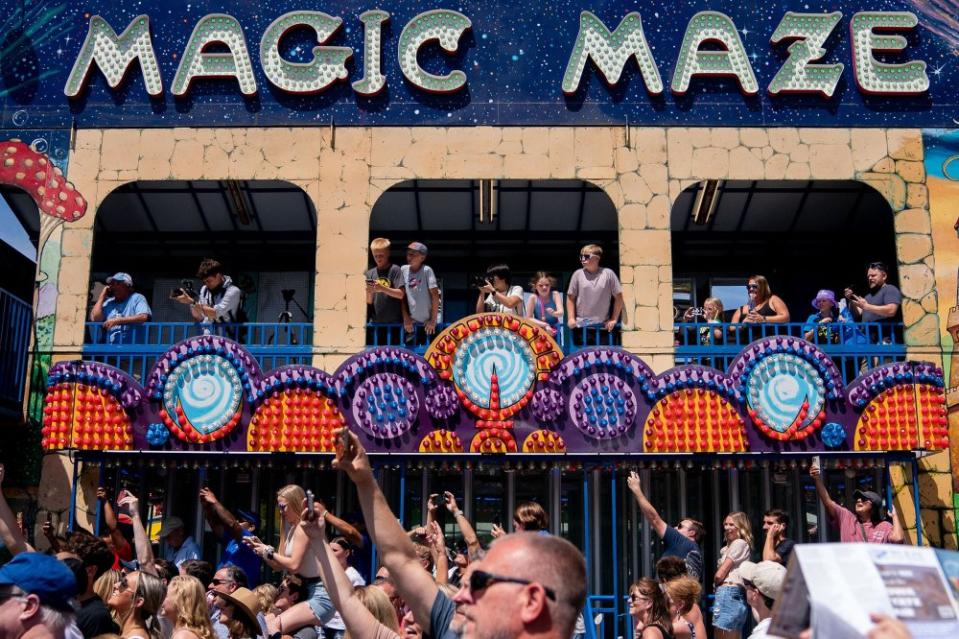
(273, 344)
(853, 347)
(15, 322)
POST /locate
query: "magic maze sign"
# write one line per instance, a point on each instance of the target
(416, 62)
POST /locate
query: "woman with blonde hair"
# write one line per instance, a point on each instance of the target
(135, 602)
(730, 609)
(186, 609)
(294, 555)
(104, 584)
(545, 306)
(682, 597)
(527, 517)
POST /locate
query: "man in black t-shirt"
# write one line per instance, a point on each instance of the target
(777, 547)
(385, 293)
(682, 541)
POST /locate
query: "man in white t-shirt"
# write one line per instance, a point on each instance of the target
(422, 295)
(764, 584)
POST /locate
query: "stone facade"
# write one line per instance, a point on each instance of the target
(643, 171)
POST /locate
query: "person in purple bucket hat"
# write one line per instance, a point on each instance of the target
(820, 327)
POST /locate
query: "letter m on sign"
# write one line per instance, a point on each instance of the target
(114, 54)
(610, 52)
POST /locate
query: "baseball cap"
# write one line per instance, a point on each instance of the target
(42, 575)
(169, 525)
(419, 247)
(869, 495)
(251, 517)
(766, 576)
(120, 277)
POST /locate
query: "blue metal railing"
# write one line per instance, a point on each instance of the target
(273, 344)
(852, 347)
(570, 340)
(15, 322)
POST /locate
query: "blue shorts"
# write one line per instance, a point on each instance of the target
(730, 610)
(320, 602)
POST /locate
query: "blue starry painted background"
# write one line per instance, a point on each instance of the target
(514, 58)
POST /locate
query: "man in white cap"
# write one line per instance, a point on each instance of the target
(764, 584)
(120, 309)
(179, 546)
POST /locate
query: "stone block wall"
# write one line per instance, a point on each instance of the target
(643, 170)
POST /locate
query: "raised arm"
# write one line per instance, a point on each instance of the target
(359, 621)
(110, 520)
(9, 530)
(347, 530)
(415, 585)
(466, 528)
(141, 542)
(898, 535)
(769, 546)
(827, 502)
(649, 512)
(437, 544)
(220, 519)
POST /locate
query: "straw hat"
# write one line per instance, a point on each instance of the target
(246, 604)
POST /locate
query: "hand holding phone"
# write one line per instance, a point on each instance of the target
(309, 505)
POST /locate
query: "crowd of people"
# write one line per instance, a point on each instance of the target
(409, 296)
(524, 584)
(832, 322)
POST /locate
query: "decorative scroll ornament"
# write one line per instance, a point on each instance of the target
(810, 31)
(713, 26)
(328, 64)
(114, 54)
(225, 29)
(877, 77)
(611, 51)
(446, 27)
(373, 80)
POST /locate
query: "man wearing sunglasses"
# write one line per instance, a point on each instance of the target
(526, 584)
(866, 524)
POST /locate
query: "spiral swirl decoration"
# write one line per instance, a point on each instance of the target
(780, 387)
(206, 391)
(499, 351)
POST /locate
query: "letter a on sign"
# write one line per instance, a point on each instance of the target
(713, 26)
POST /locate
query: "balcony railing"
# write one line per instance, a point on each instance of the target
(852, 346)
(15, 322)
(273, 343)
(569, 339)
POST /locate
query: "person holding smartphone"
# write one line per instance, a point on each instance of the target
(121, 311)
(385, 290)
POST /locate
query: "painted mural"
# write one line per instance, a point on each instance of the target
(497, 384)
(942, 179)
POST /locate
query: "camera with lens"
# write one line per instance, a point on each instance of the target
(697, 311)
(479, 281)
(185, 288)
(288, 294)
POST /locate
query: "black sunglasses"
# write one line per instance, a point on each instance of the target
(752, 286)
(481, 580)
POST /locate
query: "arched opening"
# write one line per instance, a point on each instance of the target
(470, 225)
(803, 236)
(263, 234)
(19, 241)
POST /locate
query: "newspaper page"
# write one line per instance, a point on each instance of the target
(847, 582)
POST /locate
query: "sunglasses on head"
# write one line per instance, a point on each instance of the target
(481, 580)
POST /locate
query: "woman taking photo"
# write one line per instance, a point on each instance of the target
(134, 602)
(186, 609)
(647, 607)
(730, 609)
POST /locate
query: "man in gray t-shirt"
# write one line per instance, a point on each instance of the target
(592, 290)
(881, 304)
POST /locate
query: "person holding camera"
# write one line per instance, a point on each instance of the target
(219, 299)
(121, 310)
(879, 306)
(495, 293)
